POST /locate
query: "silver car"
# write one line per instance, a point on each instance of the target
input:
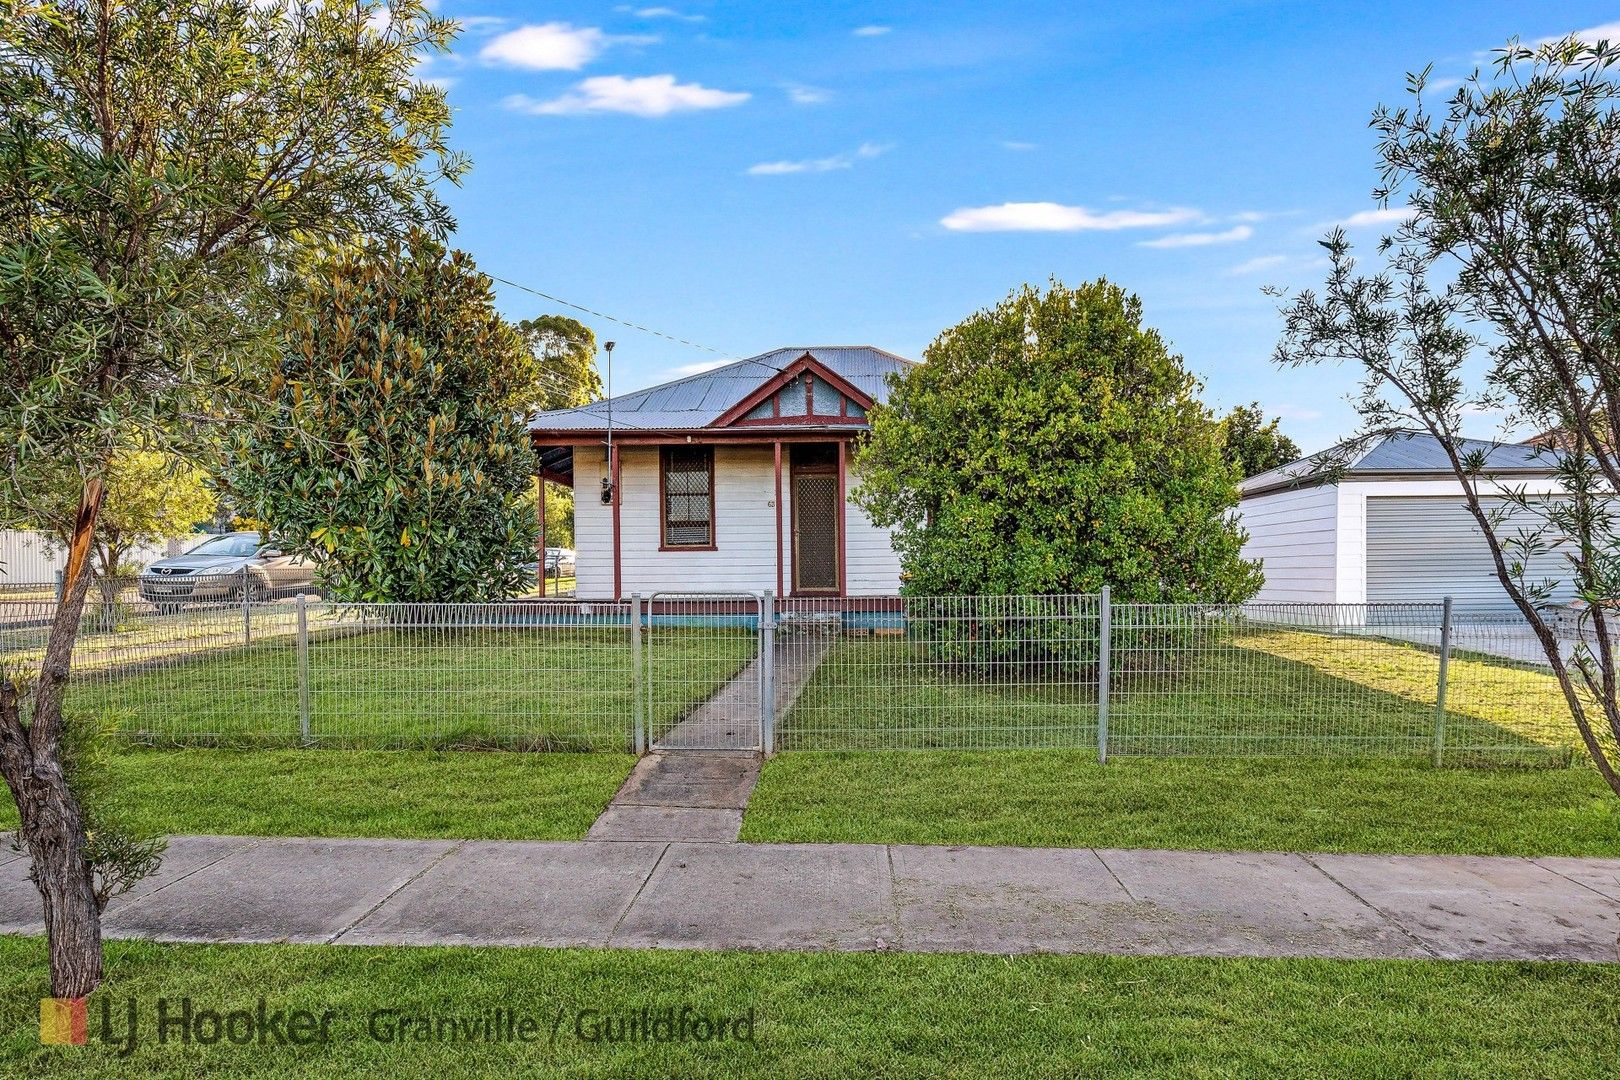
(223, 568)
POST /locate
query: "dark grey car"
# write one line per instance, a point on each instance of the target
(221, 569)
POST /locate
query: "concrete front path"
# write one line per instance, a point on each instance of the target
(860, 897)
(696, 795)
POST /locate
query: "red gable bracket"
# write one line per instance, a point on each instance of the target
(776, 382)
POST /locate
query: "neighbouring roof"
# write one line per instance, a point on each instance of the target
(697, 401)
(1400, 456)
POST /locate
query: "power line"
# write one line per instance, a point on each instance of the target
(612, 319)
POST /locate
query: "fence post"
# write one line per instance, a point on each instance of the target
(247, 608)
(767, 672)
(638, 733)
(1440, 690)
(303, 669)
(60, 577)
(1105, 634)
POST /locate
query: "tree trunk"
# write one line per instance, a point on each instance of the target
(31, 762)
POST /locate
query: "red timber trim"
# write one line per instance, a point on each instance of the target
(555, 477)
(663, 508)
(843, 574)
(618, 570)
(825, 420)
(782, 378)
(777, 446)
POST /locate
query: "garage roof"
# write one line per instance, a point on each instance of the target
(1409, 455)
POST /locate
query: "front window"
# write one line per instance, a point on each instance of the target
(687, 483)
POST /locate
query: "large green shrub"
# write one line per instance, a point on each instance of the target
(396, 458)
(1053, 444)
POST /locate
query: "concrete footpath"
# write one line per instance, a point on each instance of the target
(860, 897)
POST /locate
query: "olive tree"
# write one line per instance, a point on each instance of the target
(1500, 290)
(163, 169)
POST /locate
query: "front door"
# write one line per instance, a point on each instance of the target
(815, 527)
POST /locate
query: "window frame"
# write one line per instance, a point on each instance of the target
(664, 455)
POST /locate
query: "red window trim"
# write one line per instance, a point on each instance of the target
(663, 500)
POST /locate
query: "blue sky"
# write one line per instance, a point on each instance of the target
(750, 175)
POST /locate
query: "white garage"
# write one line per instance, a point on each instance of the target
(1387, 524)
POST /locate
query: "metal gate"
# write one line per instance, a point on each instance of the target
(706, 674)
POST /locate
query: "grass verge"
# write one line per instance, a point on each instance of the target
(825, 1015)
(1063, 798)
(488, 796)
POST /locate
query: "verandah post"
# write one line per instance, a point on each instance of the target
(1105, 633)
(1440, 689)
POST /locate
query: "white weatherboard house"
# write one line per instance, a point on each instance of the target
(1389, 526)
(733, 480)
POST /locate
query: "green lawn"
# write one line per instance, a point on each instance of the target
(855, 1015)
(509, 687)
(1248, 692)
(1064, 798)
(494, 796)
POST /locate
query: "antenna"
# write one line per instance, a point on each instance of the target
(607, 481)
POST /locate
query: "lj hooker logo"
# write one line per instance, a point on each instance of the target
(63, 1022)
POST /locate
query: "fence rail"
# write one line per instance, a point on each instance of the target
(262, 667)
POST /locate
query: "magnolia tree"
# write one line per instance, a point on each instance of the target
(412, 483)
(163, 169)
(1500, 291)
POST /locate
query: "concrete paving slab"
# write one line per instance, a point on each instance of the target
(1468, 907)
(305, 890)
(691, 778)
(776, 896)
(1016, 900)
(1253, 904)
(666, 823)
(1599, 875)
(19, 900)
(558, 894)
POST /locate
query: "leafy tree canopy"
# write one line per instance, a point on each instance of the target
(1054, 444)
(564, 371)
(1254, 444)
(410, 475)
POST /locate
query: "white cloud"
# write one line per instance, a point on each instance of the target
(800, 94)
(480, 24)
(1257, 264)
(1055, 217)
(1392, 215)
(648, 96)
(661, 13)
(1014, 144)
(818, 165)
(1294, 412)
(1200, 239)
(871, 31)
(552, 46)
(1609, 31)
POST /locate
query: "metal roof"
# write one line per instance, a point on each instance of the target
(1402, 455)
(698, 400)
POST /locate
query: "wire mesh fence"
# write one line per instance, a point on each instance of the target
(260, 666)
